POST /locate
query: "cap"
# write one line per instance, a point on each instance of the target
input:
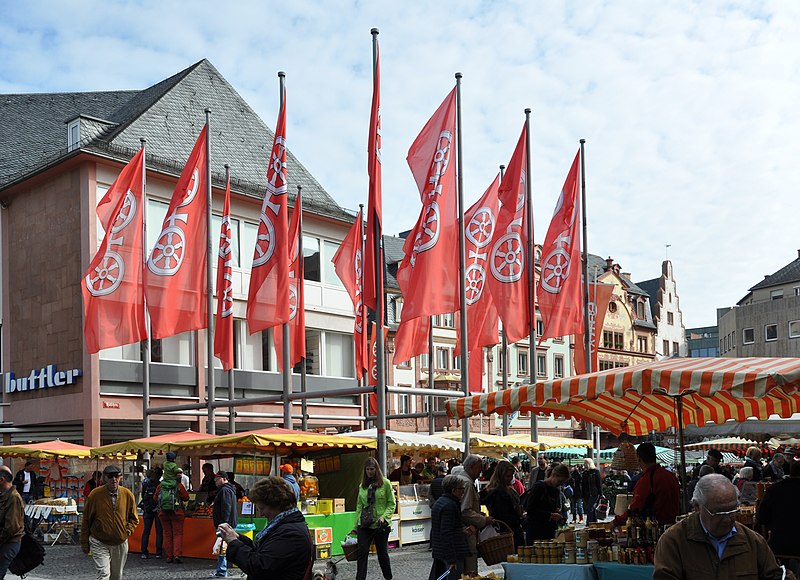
(179, 470)
(443, 468)
(287, 468)
(715, 453)
(221, 473)
(111, 470)
(171, 456)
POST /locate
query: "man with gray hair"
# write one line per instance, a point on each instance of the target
(471, 514)
(709, 545)
(12, 520)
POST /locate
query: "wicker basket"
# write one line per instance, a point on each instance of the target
(497, 548)
(625, 457)
(350, 552)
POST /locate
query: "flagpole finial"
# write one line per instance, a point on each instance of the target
(459, 75)
(502, 167)
(281, 74)
(374, 31)
(527, 110)
(207, 110)
(582, 141)
(227, 166)
(143, 141)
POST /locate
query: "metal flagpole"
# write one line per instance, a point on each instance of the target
(531, 269)
(379, 298)
(587, 339)
(504, 347)
(364, 381)
(462, 267)
(211, 428)
(431, 425)
(231, 385)
(302, 280)
(145, 344)
(286, 355)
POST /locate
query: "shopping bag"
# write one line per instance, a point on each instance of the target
(29, 557)
(486, 533)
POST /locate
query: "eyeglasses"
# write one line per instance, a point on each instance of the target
(725, 514)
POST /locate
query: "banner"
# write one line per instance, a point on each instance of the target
(268, 295)
(372, 379)
(411, 339)
(508, 252)
(599, 298)
(223, 329)
(113, 294)
(559, 290)
(375, 199)
(175, 280)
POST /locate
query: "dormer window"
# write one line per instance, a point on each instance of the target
(73, 134)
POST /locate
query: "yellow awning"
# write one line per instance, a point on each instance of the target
(46, 449)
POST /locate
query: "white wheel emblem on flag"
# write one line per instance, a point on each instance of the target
(265, 241)
(555, 270)
(126, 213)
(429, 235)
(191, 190)
(292, 301)
(167, 256)
(374, 370)
(507, 261)
(107, 275)
(475, 279)
(481, 227)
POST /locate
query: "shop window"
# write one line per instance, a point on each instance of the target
(794, 329)
(329, 272)
(771, 332)
(311, 259)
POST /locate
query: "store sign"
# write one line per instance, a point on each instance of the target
(43, 378)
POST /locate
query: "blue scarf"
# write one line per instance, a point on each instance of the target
(274, 522)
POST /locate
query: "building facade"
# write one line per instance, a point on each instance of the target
(702, 341)
(670, 338)
(766, 321)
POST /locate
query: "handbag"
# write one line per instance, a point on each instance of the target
(29, 557)
(601, 507)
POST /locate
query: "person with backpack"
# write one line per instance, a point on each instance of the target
(12, 520)
(224, 512)
(149, 507)
(171, 512)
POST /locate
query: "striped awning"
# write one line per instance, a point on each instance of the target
(736, 445)
(639, 399)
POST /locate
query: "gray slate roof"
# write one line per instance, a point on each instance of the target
(786, 275)
(651, 287)
(170, 115)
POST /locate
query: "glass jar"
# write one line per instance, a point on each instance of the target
(309, 487)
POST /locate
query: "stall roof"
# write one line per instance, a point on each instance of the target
(46, 449)
(155, 444)
(406, 442)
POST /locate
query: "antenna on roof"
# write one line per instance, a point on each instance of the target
(666, 251)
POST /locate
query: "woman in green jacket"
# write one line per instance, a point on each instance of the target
(374, 509)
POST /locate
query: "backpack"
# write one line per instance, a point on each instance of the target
(167, 498)
(29, 557)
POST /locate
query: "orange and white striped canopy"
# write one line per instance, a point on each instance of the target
(639, 399)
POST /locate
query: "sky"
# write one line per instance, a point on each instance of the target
(688, 108)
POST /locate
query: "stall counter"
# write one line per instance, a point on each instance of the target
(596, 571)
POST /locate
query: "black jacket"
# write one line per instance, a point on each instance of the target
(435, 490)
(780, 512)
(224, 510)
(542, 500)
(591, 484)
(286, 553)
(448, 540)
(576, 481)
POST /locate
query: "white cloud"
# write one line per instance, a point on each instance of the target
(688, 108)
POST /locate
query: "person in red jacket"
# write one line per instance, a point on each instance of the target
(657, 490)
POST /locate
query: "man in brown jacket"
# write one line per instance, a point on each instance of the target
(109, 518)
(708, 545)
(12, 520)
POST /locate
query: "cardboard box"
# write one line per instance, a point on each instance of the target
(323, 536)
(338, 505)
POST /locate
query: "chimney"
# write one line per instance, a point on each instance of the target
(609, 263)
(798, 253)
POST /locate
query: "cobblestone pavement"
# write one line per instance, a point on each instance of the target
(69, 562)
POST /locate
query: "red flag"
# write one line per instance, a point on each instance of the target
(411, 338)
(428, 274)
(113, 295)
(297, 310)
(348, 264)
(482, 318)
(373, 367)
(223, 331)
(268, 296)
(599, 297)
(175, 280)
(475, 377)
(559, 290)
(375, 201)
(508, 258)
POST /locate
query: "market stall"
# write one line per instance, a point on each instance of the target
(491, 445)
(252, 455)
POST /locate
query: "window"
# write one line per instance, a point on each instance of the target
(541, 365)
(403, 404)
(794, 329)
(178, 349)
(606, 365)
(797, 290)
(539, 327)
(398, 309)
(73, 134)
(216, 224)
(457, 360)
(670, 318)
(423, 361)
(447, 320)
(522, 363)
(156, 212)
(776, 294)
(770, 332)
(330, 272)
(612, 307)
(442, 358)
(676, 349)
(642, 342)
(613, 340)
(249, 233)
(339, 355)
(311, 265)
(500, 360)
(558, 366)
(640, 310)
(748, 336)
(665, 346)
